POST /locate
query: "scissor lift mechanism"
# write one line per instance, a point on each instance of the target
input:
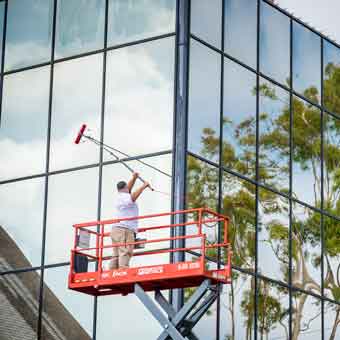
(143, 278)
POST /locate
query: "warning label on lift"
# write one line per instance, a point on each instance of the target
(150, 270)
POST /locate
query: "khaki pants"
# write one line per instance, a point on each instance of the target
(121, 254)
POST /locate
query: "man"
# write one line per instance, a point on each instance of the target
(125, 231)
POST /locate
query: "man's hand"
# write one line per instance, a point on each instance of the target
(135, 175)
(146, 185)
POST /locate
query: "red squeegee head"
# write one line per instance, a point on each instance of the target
(80, 134)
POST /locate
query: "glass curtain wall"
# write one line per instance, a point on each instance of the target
(109, 64)
(263, 147)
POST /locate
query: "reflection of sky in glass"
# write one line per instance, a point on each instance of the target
(28, 36)
(21, 215)
(272, 253)
(306, 168)
(204, 96)
(240, 39)
(22, 142)
(80, 26)
(274, 157)
(307, 244)
(306, 59)
(206, 20)
(77, 92)
(131, 20)
(239, 107)
(274, 43)
(57, 280)
(139, 97)
(242, 293)
(72, 199)
(309, 327)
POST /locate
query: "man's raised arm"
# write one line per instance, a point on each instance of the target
(132, 181)
(137, 193)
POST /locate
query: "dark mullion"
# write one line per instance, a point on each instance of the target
(101, 156)
(220, 171)
(89, 53)
(41, 296)
(3, 56)
(257, 138)
(290, 177)
(322, 193)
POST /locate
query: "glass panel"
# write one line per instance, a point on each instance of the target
(240, 39)
(206, 20)
(80, 26)
(273, 311)
(131, 20)
(239, 119)
(331, 164)
(24, 119)
(332, 319)
(21, 222)
(237, 308)
(239, 204)
(62, 316)
(202, 184)
(331, 258)
(204, 101)
(274, 126)
(274, 44)
(125, 317)
(306, 317)
(67, 207)
(29, 31)
(306, 62)
(77, 96)
(19, 301)
(139, 102)
(148, 203)
(306, 152)
(273, 235)
(331, 82)
(306, 249)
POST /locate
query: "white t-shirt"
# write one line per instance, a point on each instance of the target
(125, 207)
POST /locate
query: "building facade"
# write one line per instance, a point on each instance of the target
(236, 104)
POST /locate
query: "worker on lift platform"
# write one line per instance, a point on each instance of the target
(125, 231)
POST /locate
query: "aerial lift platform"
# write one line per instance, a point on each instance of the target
(202, 270)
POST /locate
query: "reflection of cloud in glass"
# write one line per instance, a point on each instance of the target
(274, 43)
(206, 20)
(204, 96)
(138, 19)
(139, 98)
(23, 144)
(21, 215)
(80, 26)
(240, 39)
(29, 28)
(77, 96)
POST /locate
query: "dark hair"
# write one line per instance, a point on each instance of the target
(121, 185)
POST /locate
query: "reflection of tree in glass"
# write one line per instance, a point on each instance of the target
(238, 195)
